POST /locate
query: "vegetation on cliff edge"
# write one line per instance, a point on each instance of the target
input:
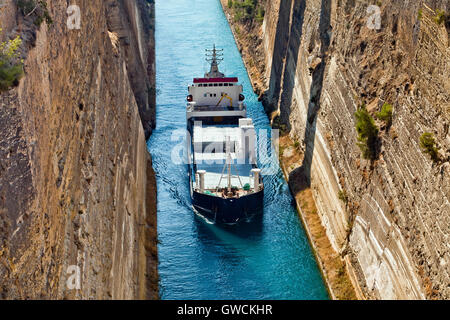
(247, 10)
(36, 9)
(342, 195)
(385, 114)
(440, 16)
(367, 133)
(428, 146)
(11, 66)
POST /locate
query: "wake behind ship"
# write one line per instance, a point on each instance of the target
(225, 182)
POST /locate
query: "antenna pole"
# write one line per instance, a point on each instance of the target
(214, 57)
(229, 163)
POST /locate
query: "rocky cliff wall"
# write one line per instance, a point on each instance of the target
(133, 22)
(77, 189)
(323, 61)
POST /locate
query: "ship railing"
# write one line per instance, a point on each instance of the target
(192, 107)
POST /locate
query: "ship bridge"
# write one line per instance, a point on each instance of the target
(215, 95)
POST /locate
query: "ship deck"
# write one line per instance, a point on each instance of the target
(214, 161)
(214, 172)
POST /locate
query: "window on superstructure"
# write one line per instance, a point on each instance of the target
(218, 147)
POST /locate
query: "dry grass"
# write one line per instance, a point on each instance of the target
(430, 292)
(334, 269)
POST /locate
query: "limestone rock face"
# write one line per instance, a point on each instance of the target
(324, 59)
(133, 22)
(77, 189)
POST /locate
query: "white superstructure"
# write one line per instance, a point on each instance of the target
(222, 144)
(215, 95)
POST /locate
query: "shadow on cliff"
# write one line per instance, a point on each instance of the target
(290, 67)
(300, 178)
(271, 96)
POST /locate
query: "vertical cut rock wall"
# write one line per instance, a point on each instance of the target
(77, 189)
(322, 63)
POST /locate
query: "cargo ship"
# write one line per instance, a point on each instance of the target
(226, 184)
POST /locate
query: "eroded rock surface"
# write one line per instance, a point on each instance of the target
(77, 189)
(322, 62)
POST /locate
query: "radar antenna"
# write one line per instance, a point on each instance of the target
(214, 57)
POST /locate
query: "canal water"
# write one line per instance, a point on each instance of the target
(266, 258)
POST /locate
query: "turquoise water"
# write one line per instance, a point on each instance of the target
(268, 258)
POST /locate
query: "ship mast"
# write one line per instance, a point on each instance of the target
(228, 147)
(215, 57)
(227, 166)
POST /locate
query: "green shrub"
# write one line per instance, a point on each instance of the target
(36, 9)
(260, 15)
(247, 10)
(428, 146)
(420, 14)
(230, 4)
(440, 16)
(11, 66)
(27, 6)
(367, 133)
(343, 196)
(237, 30)
(385, 114)
(238, 15)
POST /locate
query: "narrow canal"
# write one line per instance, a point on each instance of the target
(267, 258)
